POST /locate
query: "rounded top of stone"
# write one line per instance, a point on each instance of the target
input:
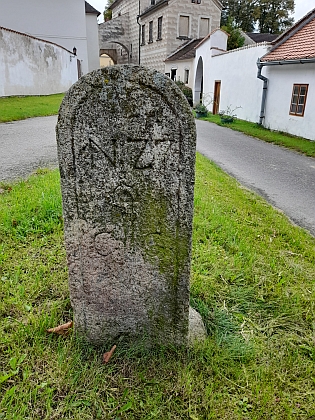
(123, 81)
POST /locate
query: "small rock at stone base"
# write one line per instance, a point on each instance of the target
(197, 330)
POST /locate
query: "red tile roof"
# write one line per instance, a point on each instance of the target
(297, 43)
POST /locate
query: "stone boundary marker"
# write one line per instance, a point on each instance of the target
(126, 146)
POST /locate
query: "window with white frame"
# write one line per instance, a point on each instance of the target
(186, 76)
(143, 35)
(151, 32)
(160, 25)
(204, 27)
(183, 29)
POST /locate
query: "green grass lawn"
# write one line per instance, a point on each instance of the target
(15, 108)
(299, 144)
(252, 280)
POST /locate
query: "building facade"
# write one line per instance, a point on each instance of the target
(148, 31)
(71, 23)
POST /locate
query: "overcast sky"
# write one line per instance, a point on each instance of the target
(301, 7)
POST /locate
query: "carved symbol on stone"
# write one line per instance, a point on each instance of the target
(124, 198)
(94, 143)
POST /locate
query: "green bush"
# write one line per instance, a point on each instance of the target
(187, 91)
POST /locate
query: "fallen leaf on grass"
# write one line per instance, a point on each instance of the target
(61, 329)
(107, 356)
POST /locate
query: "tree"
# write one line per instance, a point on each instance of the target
(107, 12)
(240, 12)
(272, 16)
(235, 40)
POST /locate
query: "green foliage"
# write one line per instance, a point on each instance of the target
(271, 16)
(14, 108)
(252, 280)
(201, 110)
(187, 91)
(236, 39)
(107, 12)
(241, 12)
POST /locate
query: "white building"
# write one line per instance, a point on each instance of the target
(227, 79)
(288, 73)
(276, 90)
(71, 23)
(31, 66)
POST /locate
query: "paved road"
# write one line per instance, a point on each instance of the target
(27, 145)
(285, 178)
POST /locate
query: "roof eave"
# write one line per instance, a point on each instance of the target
(154, 8)
(284, 62)
(293, 30)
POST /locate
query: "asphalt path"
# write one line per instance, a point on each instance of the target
(284, 178)
(27, 145)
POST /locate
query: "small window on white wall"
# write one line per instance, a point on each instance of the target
(186, 76)
(183, 30)
(204, 28)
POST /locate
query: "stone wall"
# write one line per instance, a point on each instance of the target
(30, 66)
(122, 30)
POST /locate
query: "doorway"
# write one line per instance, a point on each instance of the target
(216, 97)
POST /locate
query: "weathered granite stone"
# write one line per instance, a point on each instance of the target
(197, 330)
(126, 145)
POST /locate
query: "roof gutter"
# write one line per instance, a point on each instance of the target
(260, 65)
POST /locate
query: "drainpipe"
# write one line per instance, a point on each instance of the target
(138, 17)
(260, 66)
(264, 94)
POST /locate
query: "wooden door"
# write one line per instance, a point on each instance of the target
(216, 98)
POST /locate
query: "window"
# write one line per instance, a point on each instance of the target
(186, 76)
(204, 28)
(160, 21)
(152, 2)
(151, 31)
(298, 100)
(183, 30)
(173, 74)
(196, 1)
(143, 35)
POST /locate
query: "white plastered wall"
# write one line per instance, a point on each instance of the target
(58, 21)
(279, 93)
(92, 41)
(33, 67)
(181, 66)
(237, 71)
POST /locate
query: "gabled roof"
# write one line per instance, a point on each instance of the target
(297, 43)
(208, 36)
(186, 51)
(90, 9)
(262, 37)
